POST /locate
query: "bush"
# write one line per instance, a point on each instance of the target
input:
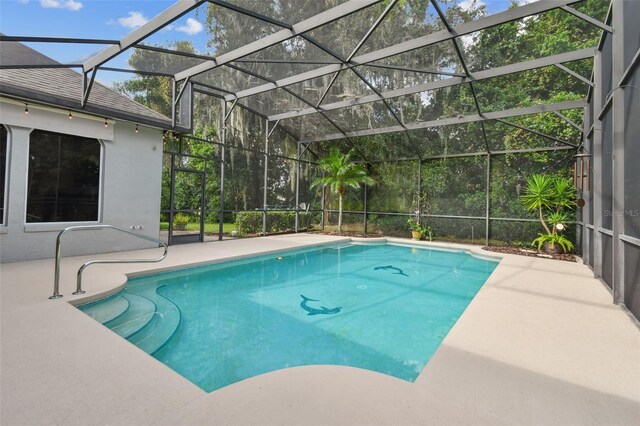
(309, 220)
(281, 221)
(249, 222)
(394, 226)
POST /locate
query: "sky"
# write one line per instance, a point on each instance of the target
(95, 19)
(113, 19)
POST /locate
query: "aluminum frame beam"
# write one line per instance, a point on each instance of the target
(433, 38)
(575, 74)
(570, 121)
(155, 24)
(416, 70)
(463, 62)
(39, 66)
(619, 115)
(536, 132)
(28, 39)
(301, 27)
(559, 106)
(481, 75)
(588, 19)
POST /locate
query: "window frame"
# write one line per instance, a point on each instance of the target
(7, 156)
(59, 226)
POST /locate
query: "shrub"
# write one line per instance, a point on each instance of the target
(249, 222)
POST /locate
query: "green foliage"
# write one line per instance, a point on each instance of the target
(250, 222)
(180, 218)
(552, 240)
(551, 197)
(389, 225)
(455, 186)
(414, 225)
(340, 173)
(558, 218)
(210, 228)
(281, 221)
(539, 192)
(153, 91)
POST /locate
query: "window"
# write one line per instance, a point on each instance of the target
(3, 169)
(64, 178)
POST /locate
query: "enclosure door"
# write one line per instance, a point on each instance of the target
(186, 219)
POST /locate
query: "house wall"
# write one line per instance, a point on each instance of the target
(130, 184)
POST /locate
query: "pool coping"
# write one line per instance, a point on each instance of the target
(517, 355)
(474, 251)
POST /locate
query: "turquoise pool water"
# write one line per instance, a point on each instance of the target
(385, 308)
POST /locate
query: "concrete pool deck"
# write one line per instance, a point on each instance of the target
(541, 343)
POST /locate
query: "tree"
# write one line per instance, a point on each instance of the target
(550, 196)
(340, 174)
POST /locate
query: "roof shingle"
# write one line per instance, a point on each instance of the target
(63, 87)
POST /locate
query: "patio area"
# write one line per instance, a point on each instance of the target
(541, 343)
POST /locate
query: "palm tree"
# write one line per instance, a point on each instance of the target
(552, 196)
(341, 173)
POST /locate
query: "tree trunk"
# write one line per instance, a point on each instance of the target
(327, 205)
(543, 222)
(340, 214)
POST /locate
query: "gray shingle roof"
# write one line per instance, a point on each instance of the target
(63, 87)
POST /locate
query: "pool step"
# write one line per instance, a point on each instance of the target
(160, 329)
(140, 313)
(107, 310)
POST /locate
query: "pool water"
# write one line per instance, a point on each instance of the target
(384, 308)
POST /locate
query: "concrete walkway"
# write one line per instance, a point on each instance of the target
(540, 344)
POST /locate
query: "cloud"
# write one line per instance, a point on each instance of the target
(61, 4)
(468, 40)
(132, 20)
(23, 1)
(471, 4)
(191, 27)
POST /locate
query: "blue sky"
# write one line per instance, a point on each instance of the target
(96, 19)
(112, 19)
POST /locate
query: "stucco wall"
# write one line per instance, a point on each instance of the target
(130, 184)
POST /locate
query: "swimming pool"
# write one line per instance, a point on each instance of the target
(381, 307)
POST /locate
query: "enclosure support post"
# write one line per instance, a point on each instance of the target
(586, 215)
(173, 102)
(322, 201)
(618, 182)
(223, 154)
(365, 187)
(266, 177)
(172, 198)
(487, 199)
(419, 195)
(297, 187)
(597, 165)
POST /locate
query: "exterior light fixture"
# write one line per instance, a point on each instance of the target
(26, 108)
(136, 128)
(105, 123)
(70, 115)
